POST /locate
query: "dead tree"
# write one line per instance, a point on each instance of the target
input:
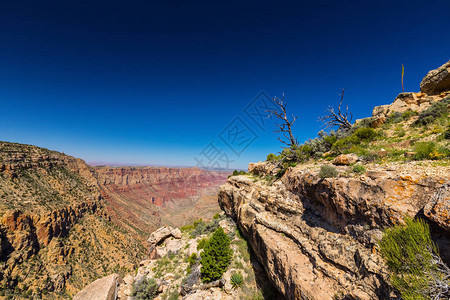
(285, 128)
(341, 119)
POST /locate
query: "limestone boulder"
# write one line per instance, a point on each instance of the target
(436, 81)
(158, 236)
(345, 159)
(262, 168)
(105, 288)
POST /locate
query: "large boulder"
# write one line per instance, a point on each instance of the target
(436, 81)
(158, 236)
(345, 159)
(105, 288)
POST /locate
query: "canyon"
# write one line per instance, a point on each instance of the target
(64, 223)
(141, 199)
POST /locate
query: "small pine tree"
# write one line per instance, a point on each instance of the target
(216, 256)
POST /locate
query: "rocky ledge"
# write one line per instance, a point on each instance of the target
(317, 238)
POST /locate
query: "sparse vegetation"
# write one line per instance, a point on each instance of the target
(146, 289)
(434, 112)
(358, 168)
(327, 171)
(236, 172)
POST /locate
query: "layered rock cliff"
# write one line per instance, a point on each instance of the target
(55, 235)
(142, 199)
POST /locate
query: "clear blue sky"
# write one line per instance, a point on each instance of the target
(154, 82)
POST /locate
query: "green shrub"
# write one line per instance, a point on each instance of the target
(236, 172)
(146, 289)
(408, 114)
(417, 271)
(202, 243)
(365, 133)
(366, 122)
(359, 169)
(192, 259)
(236, 280)
(435, 111)
(272, 157)
(327, 171)
(447, 134)
(395, 117)
(216, 256)
(201, 227)
(429, 150)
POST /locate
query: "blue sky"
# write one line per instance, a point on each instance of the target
(155, 82)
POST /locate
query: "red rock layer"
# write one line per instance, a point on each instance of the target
(143, 198)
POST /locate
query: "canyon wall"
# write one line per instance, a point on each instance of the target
(55, 234)
(142, 199)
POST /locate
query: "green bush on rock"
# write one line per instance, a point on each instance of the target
(327, 171)
(146, 289)
(417, 270)
(216, 256)
(237, 280)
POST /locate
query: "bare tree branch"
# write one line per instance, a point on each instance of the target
(340, 119)
(285, 128)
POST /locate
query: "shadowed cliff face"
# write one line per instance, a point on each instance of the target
(142, 199)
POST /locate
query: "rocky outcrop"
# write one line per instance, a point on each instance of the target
(436, 81)
(159, 236)
(317, 238)
(406, 101)
(105, 288)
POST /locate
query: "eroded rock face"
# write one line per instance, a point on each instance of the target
(406, 101)
(317, 237)
(436, 81)
(438, 209)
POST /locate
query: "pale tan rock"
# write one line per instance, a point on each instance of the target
(102, 289)
(377, 122)
(262, 167)
(173, 246)
(436, 81)
(345, 159)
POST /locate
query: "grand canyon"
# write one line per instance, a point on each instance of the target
(225, 150)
